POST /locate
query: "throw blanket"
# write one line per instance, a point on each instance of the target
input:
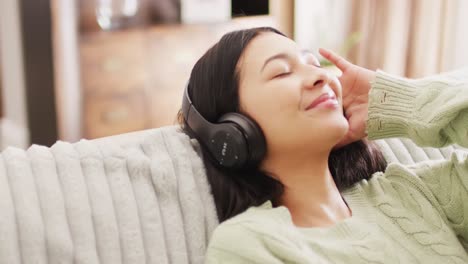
(101, 201)
(98, 202)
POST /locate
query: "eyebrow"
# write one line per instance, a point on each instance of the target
(283, 56)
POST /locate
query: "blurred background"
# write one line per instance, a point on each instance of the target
(72, 69)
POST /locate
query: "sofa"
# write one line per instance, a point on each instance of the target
(141, 197)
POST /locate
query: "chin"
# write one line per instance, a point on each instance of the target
(337, 130)
(339, 123)
(343, 125)
(322, 135)
(327, 135)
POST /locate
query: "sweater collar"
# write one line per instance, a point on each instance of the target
(355, 197)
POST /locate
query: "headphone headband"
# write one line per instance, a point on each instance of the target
(192, 117)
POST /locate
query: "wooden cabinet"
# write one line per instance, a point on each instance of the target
(134, 79)
(173, 52)
(115, 81)
(114, 113)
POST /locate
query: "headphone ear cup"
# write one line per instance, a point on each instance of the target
(228, 146)
(252, 133)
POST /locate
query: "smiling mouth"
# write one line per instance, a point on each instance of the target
(328, 98)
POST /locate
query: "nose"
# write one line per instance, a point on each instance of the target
(315, 78)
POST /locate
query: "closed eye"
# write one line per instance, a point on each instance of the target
(284, 74)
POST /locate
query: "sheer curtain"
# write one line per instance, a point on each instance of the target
(321, 23)
(411, 38)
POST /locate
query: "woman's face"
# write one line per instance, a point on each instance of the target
(279, 84)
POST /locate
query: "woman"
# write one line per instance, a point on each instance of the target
(318, 192)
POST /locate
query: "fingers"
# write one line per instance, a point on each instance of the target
(334, 58)
(345, 141)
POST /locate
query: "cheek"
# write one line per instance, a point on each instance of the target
(270, 112)
(275, 113)
(285, 126)
(336, 86)
(267, 103)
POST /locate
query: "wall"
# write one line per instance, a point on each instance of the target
(14, 123)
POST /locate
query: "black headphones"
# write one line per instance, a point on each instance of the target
(235, 141)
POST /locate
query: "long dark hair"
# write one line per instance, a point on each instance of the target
(214, 84)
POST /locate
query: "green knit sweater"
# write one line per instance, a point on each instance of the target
(409, 214)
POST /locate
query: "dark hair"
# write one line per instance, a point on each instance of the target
(214, 83)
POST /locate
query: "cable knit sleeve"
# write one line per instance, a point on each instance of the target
(432, 112)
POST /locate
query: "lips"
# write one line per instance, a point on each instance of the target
(322, 98)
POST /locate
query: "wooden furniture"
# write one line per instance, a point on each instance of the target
(133, 79)
(108, 83)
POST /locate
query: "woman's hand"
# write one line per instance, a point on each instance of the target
(355, 82)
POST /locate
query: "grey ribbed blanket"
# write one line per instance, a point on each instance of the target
(98, 202)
